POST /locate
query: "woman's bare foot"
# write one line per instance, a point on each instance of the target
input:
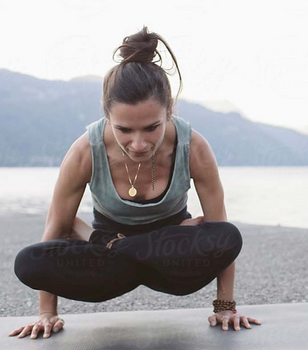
(81, 230)
(193, 221)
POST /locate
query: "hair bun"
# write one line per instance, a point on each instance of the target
(139, 47)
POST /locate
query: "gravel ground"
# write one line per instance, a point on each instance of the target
(271, 268)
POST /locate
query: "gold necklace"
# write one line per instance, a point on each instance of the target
(132, 191)
(153, 172)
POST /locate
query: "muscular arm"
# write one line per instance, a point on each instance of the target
(68, 192)
(204, 172)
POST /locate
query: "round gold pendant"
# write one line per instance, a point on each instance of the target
(132, 192)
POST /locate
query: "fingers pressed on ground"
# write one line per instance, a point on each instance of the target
(58, 325)
(25, 332)
(246, 323)
(253, 320)
(236, 323)
(225, 323)
(212, 320)
(47, 330)
(16, 331)
(34, 332)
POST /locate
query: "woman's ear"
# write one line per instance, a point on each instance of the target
(169, 111)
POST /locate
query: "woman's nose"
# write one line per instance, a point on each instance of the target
(139, 145)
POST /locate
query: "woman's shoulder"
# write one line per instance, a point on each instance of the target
(200, 152)
(83, 147)
(199, 144)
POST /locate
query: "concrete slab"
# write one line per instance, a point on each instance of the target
(284, 326)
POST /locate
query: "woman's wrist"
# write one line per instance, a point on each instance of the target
(48, 313)
(223, 305)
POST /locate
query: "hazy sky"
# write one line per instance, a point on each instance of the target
(244, 54)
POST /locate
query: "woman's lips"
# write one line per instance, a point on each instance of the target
(139, 153)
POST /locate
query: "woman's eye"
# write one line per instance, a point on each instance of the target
(152, 128)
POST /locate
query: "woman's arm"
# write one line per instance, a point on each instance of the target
(204, 172)
(68, 192)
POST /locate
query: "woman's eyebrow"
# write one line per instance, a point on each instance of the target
(123, 127)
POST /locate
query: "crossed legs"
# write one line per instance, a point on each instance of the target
(175, 259)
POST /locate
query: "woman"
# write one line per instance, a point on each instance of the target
(138, 161)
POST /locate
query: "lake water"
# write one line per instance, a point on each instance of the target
(256, 195)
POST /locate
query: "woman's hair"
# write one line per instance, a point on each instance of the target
(138, 78)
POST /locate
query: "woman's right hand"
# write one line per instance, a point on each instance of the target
(47, 322)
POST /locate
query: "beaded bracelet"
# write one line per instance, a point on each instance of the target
(222, 305)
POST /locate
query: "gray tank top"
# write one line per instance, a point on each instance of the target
(106, 199)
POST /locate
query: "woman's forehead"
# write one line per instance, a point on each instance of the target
(147, 105)
(144, 113)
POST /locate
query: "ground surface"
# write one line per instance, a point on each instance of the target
(271, 268)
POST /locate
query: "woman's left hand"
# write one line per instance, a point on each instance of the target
(227, 316)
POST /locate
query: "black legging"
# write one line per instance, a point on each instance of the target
(172, 259)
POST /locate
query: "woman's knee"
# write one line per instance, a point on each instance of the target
(28, 262)
(224, 237)
(233, 236)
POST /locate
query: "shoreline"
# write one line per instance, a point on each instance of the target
(88, 217)
(269, 270)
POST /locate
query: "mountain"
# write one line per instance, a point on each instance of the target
(40, 119)
(237, 141)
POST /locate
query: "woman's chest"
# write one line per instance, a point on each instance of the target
(150, 182)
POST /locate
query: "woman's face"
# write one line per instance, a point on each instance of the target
(139, 130)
